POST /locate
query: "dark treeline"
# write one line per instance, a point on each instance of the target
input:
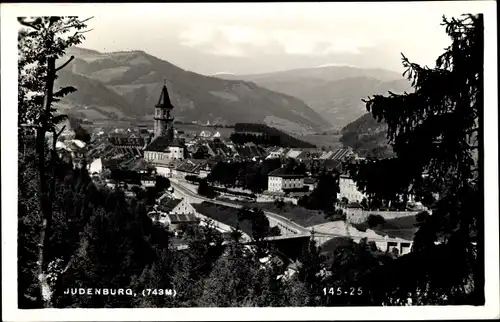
(245, 174)
(367, 137)
(225, 126)
(254, 132)
(324, 196)
(251, 175)
(100, 239)
(242, 138)
(80, 133)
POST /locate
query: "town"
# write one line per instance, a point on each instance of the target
(200, 173)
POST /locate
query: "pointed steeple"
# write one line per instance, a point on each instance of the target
(164, 101)
(163, 120)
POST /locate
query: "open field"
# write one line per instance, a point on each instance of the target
(297, 214)
(223, 214)
(330, 141)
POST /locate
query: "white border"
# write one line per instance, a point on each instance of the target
(9, 201)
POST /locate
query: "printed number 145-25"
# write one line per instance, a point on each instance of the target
(342, 291)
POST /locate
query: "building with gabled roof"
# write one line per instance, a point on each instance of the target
(174, 211)
(326, 155)
(218, 148)
(276, 152)
(293, 153)
(140, 165)
(166, 167)
(303, 155)
(341, 154)
(280, 180)
(311, 182)
(190, 167)
(349, 190)
(96, 166)
(127, 144)
(205, 134)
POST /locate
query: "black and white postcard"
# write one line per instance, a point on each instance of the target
(249, 161)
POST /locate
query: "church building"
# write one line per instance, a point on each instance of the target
(164, 145)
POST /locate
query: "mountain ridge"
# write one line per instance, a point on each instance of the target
(334, 92)
(323, 72)
(367, 137)
(137, 77)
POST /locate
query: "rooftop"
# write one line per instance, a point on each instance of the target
(293, 153)
(310, 180)
(340, 154)
(354, 205)
(181, 218)
(164, 101)
(139, 165)
(168, 204)
(158, 144)
(129, 141)
(282, 172)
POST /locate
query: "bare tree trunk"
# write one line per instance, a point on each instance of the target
(53, 160)
(45, 195)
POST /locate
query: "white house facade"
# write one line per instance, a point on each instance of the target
(349, 190)
(171, 153)
(172, 212)
(96, 166)
(278, 181)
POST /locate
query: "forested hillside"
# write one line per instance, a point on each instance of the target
(334, 92)
(128, 84)
(266, 135)
(367, 137)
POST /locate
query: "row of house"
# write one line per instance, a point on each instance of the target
(279, 181)
(208, 134)
(305, 154)
(218, 149)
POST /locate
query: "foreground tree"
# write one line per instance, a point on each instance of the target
(41, 42)
(437, 130)
(309, 272)
(230, 282)
(324, 196)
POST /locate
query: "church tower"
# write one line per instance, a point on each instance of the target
(164, 123)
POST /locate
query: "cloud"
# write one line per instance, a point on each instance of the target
(222, 73)
(244, 35)
(227, 50)
(218, 40)
(239, 41)
(342, 46)
(196, 35)
(335, 65)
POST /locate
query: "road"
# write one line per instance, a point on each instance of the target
(189, 191)
(195, 198)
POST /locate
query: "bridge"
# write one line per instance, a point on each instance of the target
(286, 226)
(289, 229)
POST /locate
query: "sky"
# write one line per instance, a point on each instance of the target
(244, 38)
